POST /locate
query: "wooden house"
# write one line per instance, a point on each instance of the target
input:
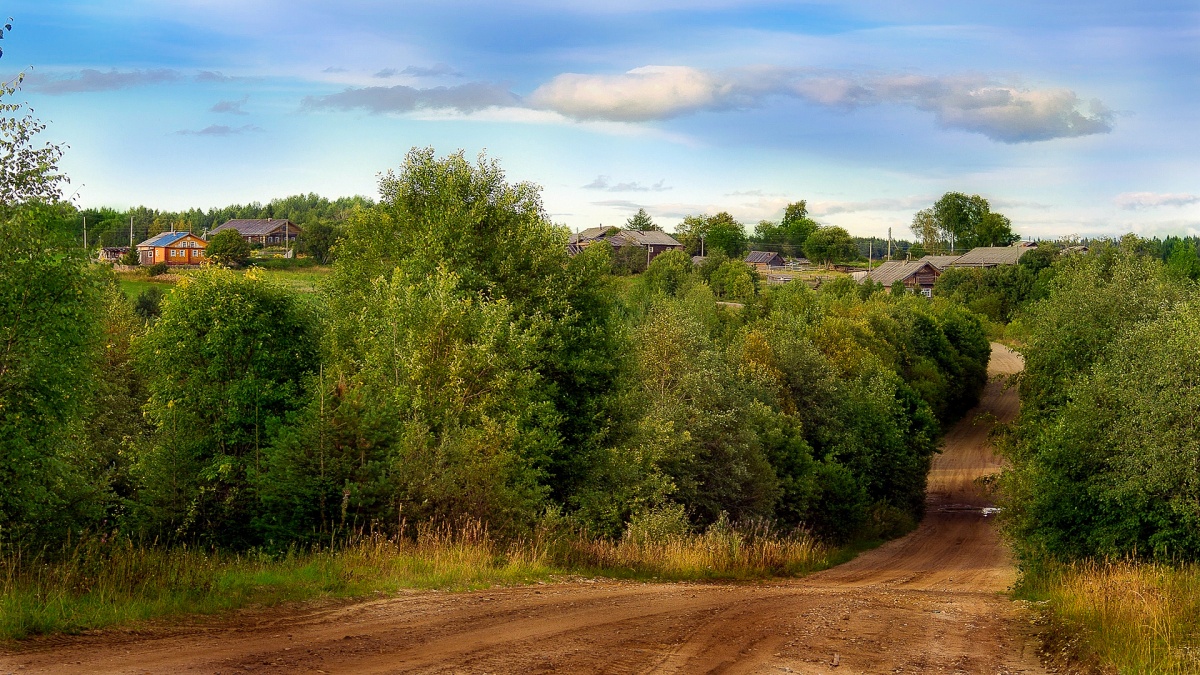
(655, 242)
(173, 248)
(764, 260)
(265, 231)
(916, 275)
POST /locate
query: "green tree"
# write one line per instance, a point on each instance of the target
(959, 217)
(28, 172)
(317, 240)
(226, 364)
(228, 248)
(733, 280)
(49, 337)
(796, 224)
(995, 230)
(718, 232)
(929, 237)
(641, 221)
(450, 214)
(828, 245)
(1184, 261)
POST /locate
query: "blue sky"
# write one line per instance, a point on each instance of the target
(1072, 118)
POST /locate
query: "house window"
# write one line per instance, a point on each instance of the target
(927, 292)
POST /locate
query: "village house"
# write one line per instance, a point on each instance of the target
(654, 241)
(172, 248)
(764, 260)
(265, 231)
(917, 276)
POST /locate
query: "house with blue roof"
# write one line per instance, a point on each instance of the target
(173, 248)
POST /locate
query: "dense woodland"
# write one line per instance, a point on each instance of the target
(461, 365)
(1107, 447)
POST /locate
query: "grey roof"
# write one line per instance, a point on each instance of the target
(889, 273)
(651, 237)
(589, 234)
(164, 239)
(619, 237)
(254, 227)
(990, 256)
(762, 257)
(940, 261)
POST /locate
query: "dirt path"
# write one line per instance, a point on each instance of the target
(928, 603)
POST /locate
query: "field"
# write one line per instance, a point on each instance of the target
(302, 279)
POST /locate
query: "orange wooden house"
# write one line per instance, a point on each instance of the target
(173, 248)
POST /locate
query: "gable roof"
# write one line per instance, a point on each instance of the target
(165, 239)
(990, 256)
(762, 257)
(651, 237)
(889, 273)
(254, 227)
(619, 237)
(940, 261)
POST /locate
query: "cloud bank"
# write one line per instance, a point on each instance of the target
(90, 80)
(1135, 201)
(1003, 112)
(467, 98)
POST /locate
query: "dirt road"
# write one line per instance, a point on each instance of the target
(928, 603)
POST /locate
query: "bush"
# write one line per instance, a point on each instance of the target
(157, 269)
(148, 303)
(228, 248)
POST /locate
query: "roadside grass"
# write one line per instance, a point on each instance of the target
(96, 583)
(1123, 616)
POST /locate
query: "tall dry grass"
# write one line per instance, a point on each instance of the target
(97, 582)
(1134, 617)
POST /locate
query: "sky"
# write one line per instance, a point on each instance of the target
(1072, 118)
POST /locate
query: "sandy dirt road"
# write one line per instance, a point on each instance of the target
(930, 602)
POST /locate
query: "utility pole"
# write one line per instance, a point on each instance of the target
(85, 233)
(870, 256)
(889, 244)
(130, 231)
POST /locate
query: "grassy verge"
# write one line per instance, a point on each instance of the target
(98, 584)
(1122, 617)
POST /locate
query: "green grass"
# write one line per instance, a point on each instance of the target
(134, 287)
(1124, 617)
(99, 584)
(306, 279)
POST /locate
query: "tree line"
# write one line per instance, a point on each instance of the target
(1105, 450)
(460, 365)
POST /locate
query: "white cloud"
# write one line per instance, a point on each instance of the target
(642, 94)
(221, 130)
(605, 183)
(1004, 112)
(1148, 200)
